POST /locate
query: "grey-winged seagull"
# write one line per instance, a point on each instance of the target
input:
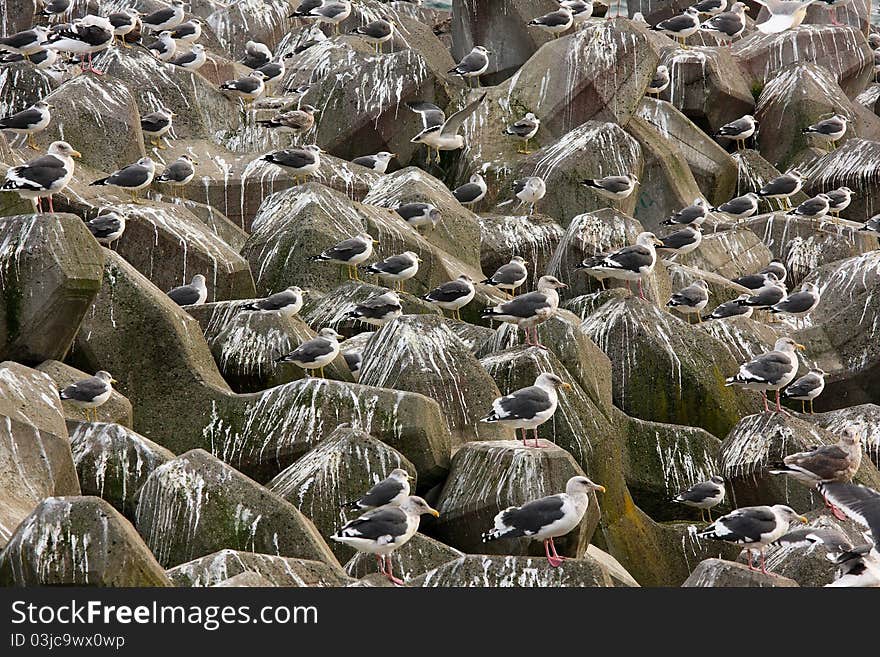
(529, 310)
(88, 394)
(316, 353)
(770, 371)
(704, 495)
(528, 408)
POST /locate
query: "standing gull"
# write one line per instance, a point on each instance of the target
(292, 122)
(740, 207)
(510, 276)
(453, 295)
(302, 162)
(807, 388)
(756, 527)
(825, 463)
(813, 208)
(165, 18)
(839, 200)
(107, 227)
(659, 82)
(440, 133)
(693, 214)
(53, 8)
(771, 371)
(728, 25)
(178, 173)
(733, 308)
(287, 302)
(529, 191)
(767, 295)
(861, 567)
(546, 518)
(124, 22)
(248, 88)
(394, 489)
(784, 15)
(194, 294)
(580, 10)
(472, 192)
(188, 32)
(799, 303)
(377, 163)
(156, 125)
(711, 7)
(783, 187)
(316, 353)
(681, 241)
(85, 36)
(192, 60)
(256, 54)
(680, 27)
(613, 187)
(524, 130)
(131, 178)
(473, 65)
(396, 268)
(703, 496)
(556, 22)
(419, 214)
(332, 12)
(378, 310)
(691, 300)
(88, 394)
(43, 176)
(26, 42)
(739, 130)
(164, 47)
(528, 408)
(631, 263)
(529, 310)
(272, 71)
(28, 122)
(828, 130)
(376, 33)
(350, 253)
(381, 531)
(872, 225)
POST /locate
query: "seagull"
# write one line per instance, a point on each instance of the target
(192, 60)
(419, 214)
(546, 518)
(784, 15)
(350, 252)
(333, 12)
(800, 303)
(580, 10)
(556, 22)
(377, 163)
(43, 176)
(872, 225)
(88, 394)
(755, 281)
(828, 130)
(755, 526)
(524, 130)
(316, 353)
(188, 32)
(860, 567)
(659, 82)
(735, 308)
(691, 300)
(107, 227)
(529, 191)
(680, 27)
(767, 296)
(783, 187)
(55, 7)
(164, 47)
(132, 178)
(528, 408)
(394, 489)
(839, 200)
(194, 294)
(29, 122)
(740, 207)
(472, 192)
(124, 22)
(376, 33)
(807, 388)
(728, 25)
(473, 65)
(378, 310)
(739, 130)
(704, 496)
(681, 241)
(292, 122)
(26, 42)
(43, 59)
(302, 162)
(353, 359)
(248, 88)
(156, 125)
(812, 209)
(305, 7)
(695, 214)
(510, 276)
(286, 303)
(166, 18)
(256, 54)
(396, 268)
(630, 263)
(272, 71)
(710, 7)
(85, 36)
(453, 295)
(771, 371)
(441, 133)
(529, 310)
(613, 187)
(825, 464)
(381, 531)
(178, 173)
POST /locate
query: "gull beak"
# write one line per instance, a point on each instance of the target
(803, 519)
(76, 154)
(600, 488)
(564, 285)
(565, 386)
(375, 241)
(658, 242)
(800, 346)
(434, 512)
(409, 477)
(112, 380)
(395, 155)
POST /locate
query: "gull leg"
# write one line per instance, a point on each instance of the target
(38, 206)
(31, 141)
(749, 555)
(764, 563)
(523, 429)
(92, 67)
(51, 207)
(709, 511)
(555, 553)
(391, 577)
(552, 560)
(764, 395)
(812, 412)
(321, 371)
(779, 408)
(803, 406)
(834, 20)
